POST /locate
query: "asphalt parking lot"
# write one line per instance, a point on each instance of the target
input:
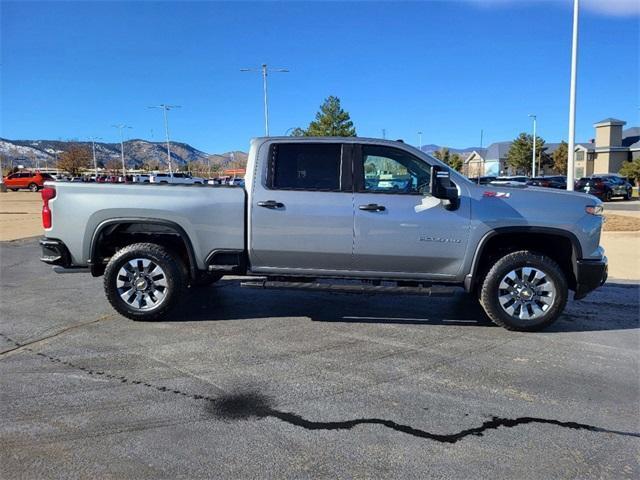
(257, 384)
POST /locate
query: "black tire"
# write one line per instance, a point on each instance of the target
(204, 279)
(172, 270)
(608, 195)
(14, 189)
(628, 195)
(33, 187)
(491, 292)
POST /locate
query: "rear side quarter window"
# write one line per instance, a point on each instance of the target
(305, 166)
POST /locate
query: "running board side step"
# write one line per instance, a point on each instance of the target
(437, 291)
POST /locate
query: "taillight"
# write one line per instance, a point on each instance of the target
(47, 194)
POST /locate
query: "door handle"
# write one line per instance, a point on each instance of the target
(373, 207)
(272, 204)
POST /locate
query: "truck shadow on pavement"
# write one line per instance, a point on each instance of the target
(227, 301)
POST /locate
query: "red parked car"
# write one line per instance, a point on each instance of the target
(34, 181)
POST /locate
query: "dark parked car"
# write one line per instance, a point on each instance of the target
(554, 181)
(605, 186)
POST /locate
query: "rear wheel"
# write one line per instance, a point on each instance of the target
(33, 187)
(627, 196)
(144, 281)
(524, 291)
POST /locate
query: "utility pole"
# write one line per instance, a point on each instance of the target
(384, 133)
(165, 109)
(533, 159)
(572, 100)
(481, 172)
(121, 127)
(264, 69)
(93, 147)
(420, 141)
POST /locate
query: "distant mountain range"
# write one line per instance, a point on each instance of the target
(42, 153)
(464, 152)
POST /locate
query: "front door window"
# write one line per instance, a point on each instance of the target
(389, 170)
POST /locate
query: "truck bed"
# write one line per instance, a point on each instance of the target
(211, 216)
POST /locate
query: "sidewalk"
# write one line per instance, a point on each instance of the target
(20, 215)
(621, 248)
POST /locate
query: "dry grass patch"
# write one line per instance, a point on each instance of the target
(621, 223)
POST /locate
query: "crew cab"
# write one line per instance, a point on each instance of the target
(336, 214)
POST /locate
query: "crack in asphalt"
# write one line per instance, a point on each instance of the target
(255, 405)
(22, 346)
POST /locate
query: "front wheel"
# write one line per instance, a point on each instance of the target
(524, 291)
(33, 187)
(144, 281)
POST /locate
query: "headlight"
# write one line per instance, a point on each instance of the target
(594, 209)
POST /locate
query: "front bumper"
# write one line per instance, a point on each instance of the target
(55, 252)
(590, 274)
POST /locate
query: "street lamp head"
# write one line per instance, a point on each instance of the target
(532, 115)
(165, 107)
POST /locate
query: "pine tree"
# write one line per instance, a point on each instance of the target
(455, 161)
(331, 121)
(521, 152)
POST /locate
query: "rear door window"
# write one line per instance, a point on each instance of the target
(306, 166)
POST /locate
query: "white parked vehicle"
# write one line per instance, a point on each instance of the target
(512, 181)
(177, 178)
(142, 178)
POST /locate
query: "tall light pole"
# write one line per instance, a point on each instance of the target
(165, 109)
(533, 157)
(572, 100)
(264, 69)
(420, 141)
(93, 147)
(481, 172)
(121, 127)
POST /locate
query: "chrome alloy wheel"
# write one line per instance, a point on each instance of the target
(142, 284)
(526, 293)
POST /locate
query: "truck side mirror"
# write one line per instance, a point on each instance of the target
(441, 187)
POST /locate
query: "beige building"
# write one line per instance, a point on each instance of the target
(613, 146)
(606, 153)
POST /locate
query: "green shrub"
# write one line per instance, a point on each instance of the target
(631, 170)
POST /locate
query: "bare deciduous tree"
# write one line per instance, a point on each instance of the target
(75, 159)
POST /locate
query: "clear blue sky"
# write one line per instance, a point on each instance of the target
(72, 69)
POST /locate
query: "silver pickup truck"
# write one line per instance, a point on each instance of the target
(336, 214)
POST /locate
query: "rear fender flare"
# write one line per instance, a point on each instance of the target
(93, 249)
